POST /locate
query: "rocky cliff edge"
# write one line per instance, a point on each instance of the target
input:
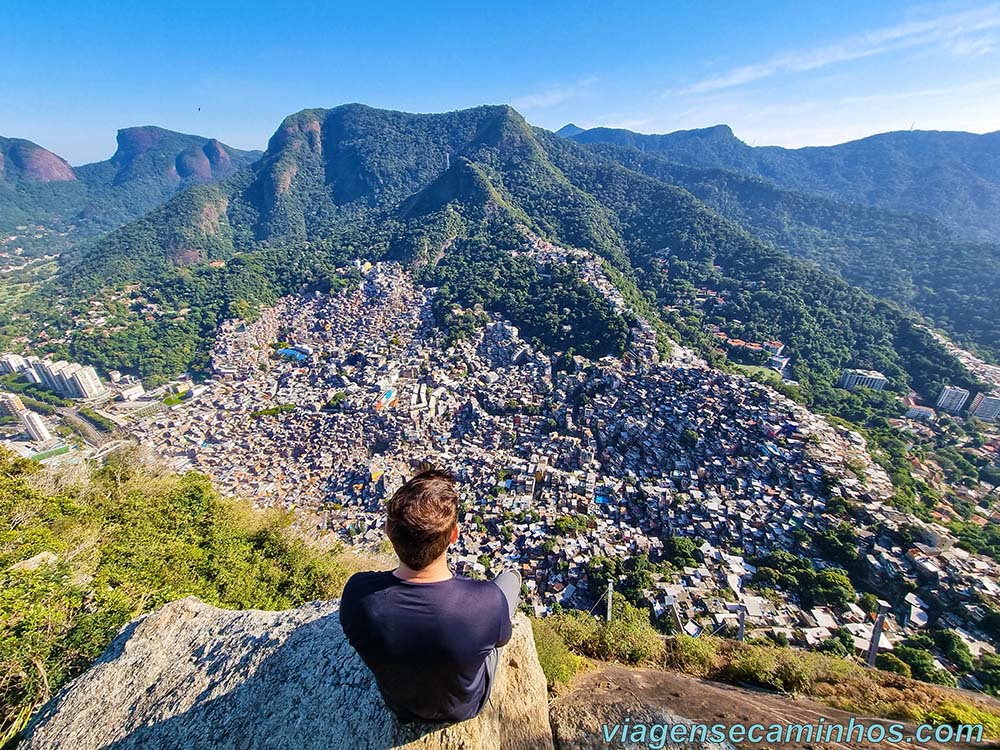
(190, 676)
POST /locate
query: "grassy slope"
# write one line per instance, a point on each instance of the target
(123, 540)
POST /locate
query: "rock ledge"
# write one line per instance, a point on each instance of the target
(193, 676)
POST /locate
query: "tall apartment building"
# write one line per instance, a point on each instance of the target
(36, 427)
(65, 378)
(10, 404)
(873, 379)
(87, 383)
(30, 372)
(12, 363)
(51, 374)
(952, 399)
(985, 407)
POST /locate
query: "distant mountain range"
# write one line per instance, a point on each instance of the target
(910, 258)
(451, 195)
(954, 177)
(150, 165)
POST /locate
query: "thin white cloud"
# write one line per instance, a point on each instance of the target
(552, 96)
(971, 46)
(965, 33)
(803, 120)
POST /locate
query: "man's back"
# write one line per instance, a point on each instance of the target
(426, 643)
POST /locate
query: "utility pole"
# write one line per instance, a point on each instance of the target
(883, 609)
(610, 592)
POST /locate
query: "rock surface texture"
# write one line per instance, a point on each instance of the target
(613, 708)
(190, 676)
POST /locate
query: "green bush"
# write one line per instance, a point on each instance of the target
(794, 673)
(558, 663)
(137, 541)
(956, 713)
(578, 630)
(697, 656)
(778, 668)
(755, 665)
(890, 663)
(628, 638)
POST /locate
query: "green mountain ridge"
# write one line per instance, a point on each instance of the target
(952, 176)
(909, 258)
(356, 182)
(149, 166)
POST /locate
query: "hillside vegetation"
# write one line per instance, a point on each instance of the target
(911, 259)
(450, 190)
(953, 177)
(83, 554)
(566, 640)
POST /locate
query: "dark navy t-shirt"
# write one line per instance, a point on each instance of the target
(426, 643)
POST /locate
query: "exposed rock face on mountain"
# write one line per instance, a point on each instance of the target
(166, 158)
(24, 160)
(616, 707)
(193, 676)
(150, 166)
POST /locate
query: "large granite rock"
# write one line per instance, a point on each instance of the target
(616, 708)
(192, 677)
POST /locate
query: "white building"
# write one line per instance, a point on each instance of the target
(985, 407)
(36, 427)
(920, 413)
(87, 383)
(11, 404)
(132, 392)
(952, 399)
(12, 363)
(873, 379)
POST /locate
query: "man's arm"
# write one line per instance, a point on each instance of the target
(349, 611)
(509, 583)
(506, 631)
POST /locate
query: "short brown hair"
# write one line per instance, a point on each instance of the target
(420, 517)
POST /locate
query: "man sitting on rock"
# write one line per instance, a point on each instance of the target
(432, 639)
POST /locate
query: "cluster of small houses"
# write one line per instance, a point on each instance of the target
(375, 393)
(326, 403)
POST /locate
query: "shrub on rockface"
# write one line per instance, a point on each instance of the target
(628, 638)
(112, 543)
(696, 656)
(558, 663)
(890, 663)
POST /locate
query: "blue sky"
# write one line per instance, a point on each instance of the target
(785, 73)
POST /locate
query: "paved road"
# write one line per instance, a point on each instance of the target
(91, 434)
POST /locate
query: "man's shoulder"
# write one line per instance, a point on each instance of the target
(480, 589)
(368, 576)
(362, 583)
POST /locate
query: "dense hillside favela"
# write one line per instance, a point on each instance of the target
(749, 394)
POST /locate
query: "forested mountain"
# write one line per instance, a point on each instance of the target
(954, 177)
(40, 189)
(909, 258)
(440, 191)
